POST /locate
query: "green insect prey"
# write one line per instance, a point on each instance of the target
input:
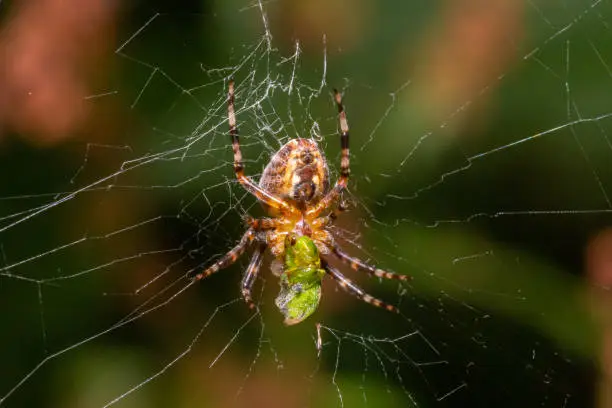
(300, 281)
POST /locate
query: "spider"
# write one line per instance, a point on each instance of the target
(295, 191)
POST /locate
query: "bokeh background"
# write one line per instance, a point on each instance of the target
(481, 145)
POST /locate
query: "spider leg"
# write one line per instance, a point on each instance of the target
(324, 238)
(342, 181)
(319, 342)
(355, 290)
(357, 264)
(251, 274)
(342, 207)
(246, 182)
(321, 222)
(229, 258)
(263, 224)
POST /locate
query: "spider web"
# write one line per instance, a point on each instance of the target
(487, 200)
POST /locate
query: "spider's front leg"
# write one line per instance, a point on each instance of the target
(229, 258)
(356, 264)
(251, 274)
(355, 290)
(266, 224)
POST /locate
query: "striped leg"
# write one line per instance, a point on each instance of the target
(248, 185)
(263, 224)
(355, 290)
(251, 274)
(229, 258)
(344, 142)
(357, 264)
(327, 240)
(342, 182)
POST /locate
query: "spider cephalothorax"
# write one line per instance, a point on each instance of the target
(295, 190)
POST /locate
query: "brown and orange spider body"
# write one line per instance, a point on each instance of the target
(297, 174)
(295, 191)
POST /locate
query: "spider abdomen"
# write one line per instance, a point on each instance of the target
(297, 173)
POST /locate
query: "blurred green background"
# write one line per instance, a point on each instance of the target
(480, 145)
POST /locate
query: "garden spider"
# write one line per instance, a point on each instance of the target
(295, 190)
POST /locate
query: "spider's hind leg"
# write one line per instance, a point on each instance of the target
(355, 290)
(342, 181)
(344, 140)
(261, 194)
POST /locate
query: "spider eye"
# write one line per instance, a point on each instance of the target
(292, 240)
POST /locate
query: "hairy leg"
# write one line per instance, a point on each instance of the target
(251, 274)
(356, 264)
(342, 181)
(229, 258)
(247, 183)
(355, 290)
